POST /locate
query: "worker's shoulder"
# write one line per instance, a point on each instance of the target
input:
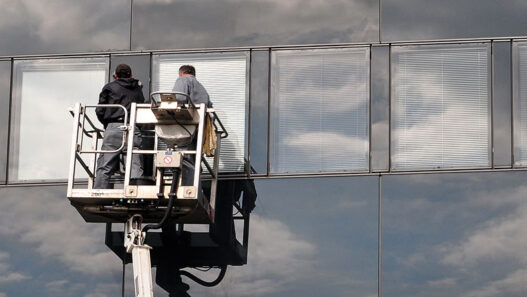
(186, 79)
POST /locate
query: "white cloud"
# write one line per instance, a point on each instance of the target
(334, 143)
(8, 276)
(56, 230)
(494, 243)
(105, 290)
(498, 239)
(277, 258)
(12, 277)
(512, 285)
(444, 282)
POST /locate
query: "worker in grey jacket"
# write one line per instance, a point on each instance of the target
(188, 84)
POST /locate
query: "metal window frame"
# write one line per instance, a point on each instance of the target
(490, 95)
(272, 61)
(14, 117)
(154, 67)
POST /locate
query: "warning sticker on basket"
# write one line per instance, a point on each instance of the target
(167, 159)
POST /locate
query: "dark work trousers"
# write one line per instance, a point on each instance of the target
(108, 163)
(188, 169)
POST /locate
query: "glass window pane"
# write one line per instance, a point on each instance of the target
(227, 23)
(454, 235)
(520, 104)
(320, 110)
(225, 78)
(43, 90)
(5, 84)
(316, 247)
(451, 19)
(48, 250)
(64, 26)
(440, 107)
(140, 65)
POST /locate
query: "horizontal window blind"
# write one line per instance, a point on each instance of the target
(520, 104)
(320, 110)
(225, 78)
(440, 107)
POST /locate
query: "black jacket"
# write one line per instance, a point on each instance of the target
(121, 91)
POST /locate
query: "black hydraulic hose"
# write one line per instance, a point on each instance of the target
(202, 282)
(172, 198)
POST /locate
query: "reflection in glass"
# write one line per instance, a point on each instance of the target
(48, 250)
(454, 235)
(451, 19)
(5, 83)
(140, 65)
(227, 23)
(501, 110)
(380, 108)
(520, 104)
(224, 75)
(308, 237)
(64, 26)
(440, 107)
(320, 110)
(259, 110)
(43, 90)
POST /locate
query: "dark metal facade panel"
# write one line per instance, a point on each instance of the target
(5, 86)
(380, 101)
(225, 23)
(502, 109)
(259, 100)
(453, 235)
(430, 19)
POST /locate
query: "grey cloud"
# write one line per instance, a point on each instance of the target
(278, 258)
(59, 26)
(187, 24)
(420, 20)
(7, 275)
(56, 232)
(456, 230)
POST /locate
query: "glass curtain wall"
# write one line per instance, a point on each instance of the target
(43, 91)
(320, 110)
(441, 107)
(225, 76)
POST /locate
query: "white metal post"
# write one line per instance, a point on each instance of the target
(76, 110)
(130, 145)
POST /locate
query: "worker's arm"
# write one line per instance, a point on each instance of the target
(99, 111)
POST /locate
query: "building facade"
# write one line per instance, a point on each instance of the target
(387, 139)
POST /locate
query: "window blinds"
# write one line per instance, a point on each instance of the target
(43, 90)
(520, 104)
(320, 110)
(225, 78)
(440, 107)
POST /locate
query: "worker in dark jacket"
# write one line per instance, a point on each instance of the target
(123, 90)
